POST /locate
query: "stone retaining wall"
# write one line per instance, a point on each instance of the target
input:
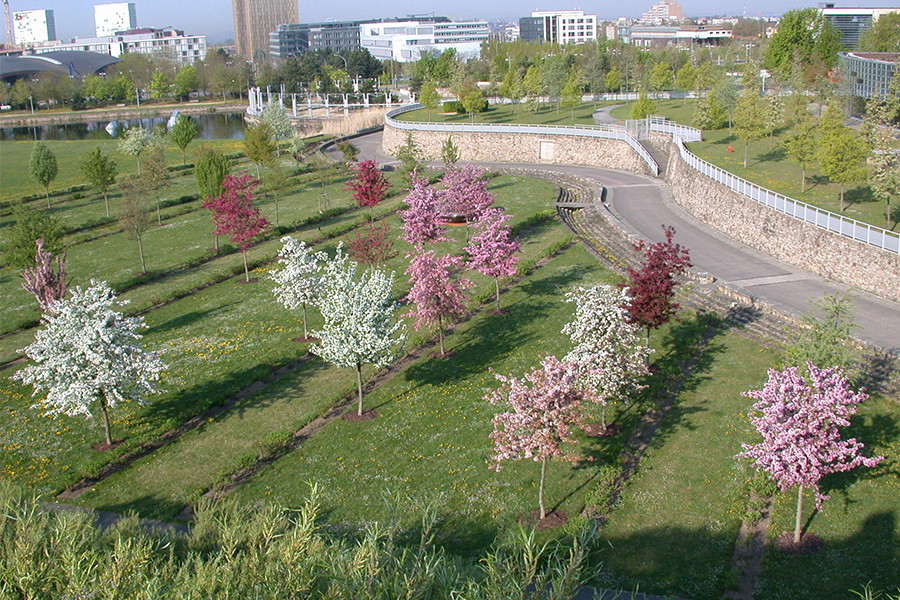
(794, 241)
(523, 148)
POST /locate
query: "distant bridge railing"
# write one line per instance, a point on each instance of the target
(612, 132)
(863, 232)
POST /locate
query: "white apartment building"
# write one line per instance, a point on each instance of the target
(33, 26)
(567, 26)
(111, 18)
(169, 43)
(662, 13)
(404, 41)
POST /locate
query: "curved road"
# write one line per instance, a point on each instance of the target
(643, 204)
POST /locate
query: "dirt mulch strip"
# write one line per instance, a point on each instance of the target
(554, 518)
(354, 416)
(808, 544)
(748, 552)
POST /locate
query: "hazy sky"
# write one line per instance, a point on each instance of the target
(213, 17)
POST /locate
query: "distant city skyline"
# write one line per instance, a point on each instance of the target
(213, 17)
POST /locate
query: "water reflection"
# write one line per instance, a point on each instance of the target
(219, 126)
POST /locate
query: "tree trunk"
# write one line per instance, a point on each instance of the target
(889, 212)
(359, 386)
(497, 290)
(47, 191)
(799, 515)
(842, 197)
(541, 489)
(216, 235)
(603, 416)
(305, 333)
(441, 333)
(158, 211)
(746, 150)
(106, 201)
(802, 179)
(139, 165)
(105, 412)
(140, 242)
(246, 269)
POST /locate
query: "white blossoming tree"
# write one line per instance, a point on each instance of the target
(86, 354)
(607, 348)
(358, 314)
(298, 282)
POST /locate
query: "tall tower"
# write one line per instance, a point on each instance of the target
(254, 19)
(110, 18)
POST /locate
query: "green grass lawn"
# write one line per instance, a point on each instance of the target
(15, 181)
(674, 529)
(546, 114)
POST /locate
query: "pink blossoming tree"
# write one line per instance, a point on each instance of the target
(234, 213)
(465, 194)
(421, 223)
(368, 185)
(437, 292)
(546, 409)
(45, 284)
(493, 251)
(799, 424)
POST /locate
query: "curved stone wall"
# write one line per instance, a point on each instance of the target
(522, 148)
(812, 248)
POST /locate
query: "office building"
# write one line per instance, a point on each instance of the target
(291, 39)
(405, 41)
(254, 20)
(666, 12)
(852, 22)
(111, 18)
(34, 26)
(867, 74)
(562, 27)
(169, 43)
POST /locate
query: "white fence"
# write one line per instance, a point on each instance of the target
(613, 132)
(863, 232)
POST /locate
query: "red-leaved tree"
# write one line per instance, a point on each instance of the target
(372, 247)
(546, 410)
(652, 288)
(234, 213)
(368, 184)
(492, 252)
(465, 194)
(437, 292)
(799, 425)
(47, 286)
(421, 222)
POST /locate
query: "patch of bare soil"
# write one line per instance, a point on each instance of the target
(808, 544)
(354, 416)
(436, 355)
(251, 280)
(596, 430)
(552, 519)
(303, 339)
(103, 446)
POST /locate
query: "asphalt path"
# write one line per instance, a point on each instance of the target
(644, 204)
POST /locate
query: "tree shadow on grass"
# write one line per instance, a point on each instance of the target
(859, 195)
(776, 154)
(816, 180)
(188, 319)
(869, 554)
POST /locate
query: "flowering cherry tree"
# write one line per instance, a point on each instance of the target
(86, 354)
(421, 223)
(799, 424)
(234, 213)
(607, 348)
(358, 314)
(437, 292)
(45, 284)
(493, 251)
(464, 194)
(297, 283)
(368, 185)
(652, 287)
(546, 408)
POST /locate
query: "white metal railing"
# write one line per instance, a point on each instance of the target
(863, 232)
(663, 125)
(614, 132)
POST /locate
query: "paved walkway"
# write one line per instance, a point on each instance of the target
(644, 204)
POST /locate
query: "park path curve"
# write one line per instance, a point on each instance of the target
(644, 204)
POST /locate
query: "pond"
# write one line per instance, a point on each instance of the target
(219, 126)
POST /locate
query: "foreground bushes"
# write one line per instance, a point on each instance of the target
(264, 551)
